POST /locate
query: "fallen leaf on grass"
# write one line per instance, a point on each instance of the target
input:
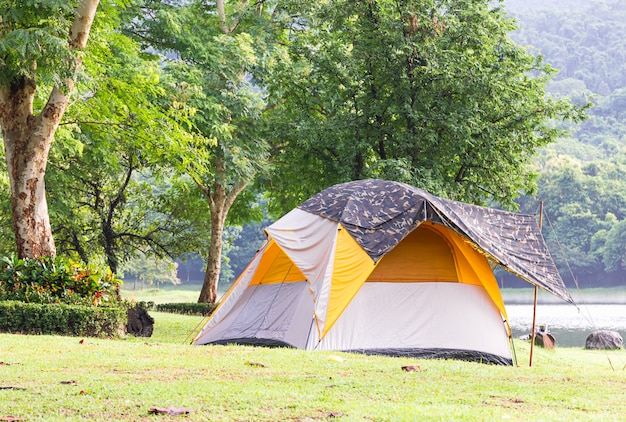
(10, 419)
(11, 387)
(516, 400)
(256, 364)
(334, 415)
(335, 358)
(70, 382)
(172, 411)
(411, 368)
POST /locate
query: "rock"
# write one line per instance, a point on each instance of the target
(545, 340)
(140, 323)
(604, 339)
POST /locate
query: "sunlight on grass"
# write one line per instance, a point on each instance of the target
(164, 294)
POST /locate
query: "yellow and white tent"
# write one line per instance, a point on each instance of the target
(375, 266)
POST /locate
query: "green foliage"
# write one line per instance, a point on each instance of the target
(56, 280)
(112, 194)
(214, 63)
(7, 237)
(150, 271)
(34, 40)
(583, 41)
(582, 177)
(210, 74)
(613, 249)
(585, 207)
(434, 94)
(61, 319)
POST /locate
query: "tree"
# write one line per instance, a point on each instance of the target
(584, 202)
(111, 194)
(151, 271)
(431, 93)
(213, 51)
(614, 256)
(36, 52)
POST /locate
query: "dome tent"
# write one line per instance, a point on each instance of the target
(376, 266)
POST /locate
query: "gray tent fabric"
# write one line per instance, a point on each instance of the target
(380, 213)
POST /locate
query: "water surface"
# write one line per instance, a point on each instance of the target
(569, 324)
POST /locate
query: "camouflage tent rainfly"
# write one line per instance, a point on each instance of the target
(376, 266)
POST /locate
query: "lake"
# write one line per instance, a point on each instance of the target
(569, 324)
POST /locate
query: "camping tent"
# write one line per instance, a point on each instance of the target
(376, 266)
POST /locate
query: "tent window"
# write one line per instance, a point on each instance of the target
(424, 255)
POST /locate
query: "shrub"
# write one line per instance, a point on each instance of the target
(55, 280)
(57, 296)
(61, 318)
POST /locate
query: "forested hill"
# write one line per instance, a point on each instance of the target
(583, 178)
(584, 40)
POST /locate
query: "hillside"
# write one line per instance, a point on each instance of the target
(583, 178)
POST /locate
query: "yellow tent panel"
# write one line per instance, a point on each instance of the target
(276, 267)
(424, 255)
(352, 267)
(477, 270)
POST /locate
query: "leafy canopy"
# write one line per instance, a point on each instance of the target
(432, 93)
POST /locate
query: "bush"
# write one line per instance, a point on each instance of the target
(61, 318)
(56, 280)
(56, 296)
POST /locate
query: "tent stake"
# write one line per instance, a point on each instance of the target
(532, 335)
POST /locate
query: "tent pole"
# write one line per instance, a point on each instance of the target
(532, 336)
(533, 333)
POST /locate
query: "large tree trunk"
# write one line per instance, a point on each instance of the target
(27, 139)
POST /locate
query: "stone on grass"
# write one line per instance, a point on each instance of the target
(140, 323)
(604, 339)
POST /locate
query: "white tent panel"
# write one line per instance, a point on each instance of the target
(231, 298)
(308, 240)
(410, 316)
(266, 314)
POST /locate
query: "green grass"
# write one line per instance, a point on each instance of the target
(164, 294)
(62, 378)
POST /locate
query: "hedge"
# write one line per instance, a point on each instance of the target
(62, 319)
(186, 308)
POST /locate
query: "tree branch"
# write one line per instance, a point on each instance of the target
(221, 13)
(85, 14)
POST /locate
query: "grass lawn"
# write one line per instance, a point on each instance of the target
(65, 378)
(164, 294)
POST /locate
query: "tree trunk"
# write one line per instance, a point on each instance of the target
(220, 202)
(27, 139)
(214, 261)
